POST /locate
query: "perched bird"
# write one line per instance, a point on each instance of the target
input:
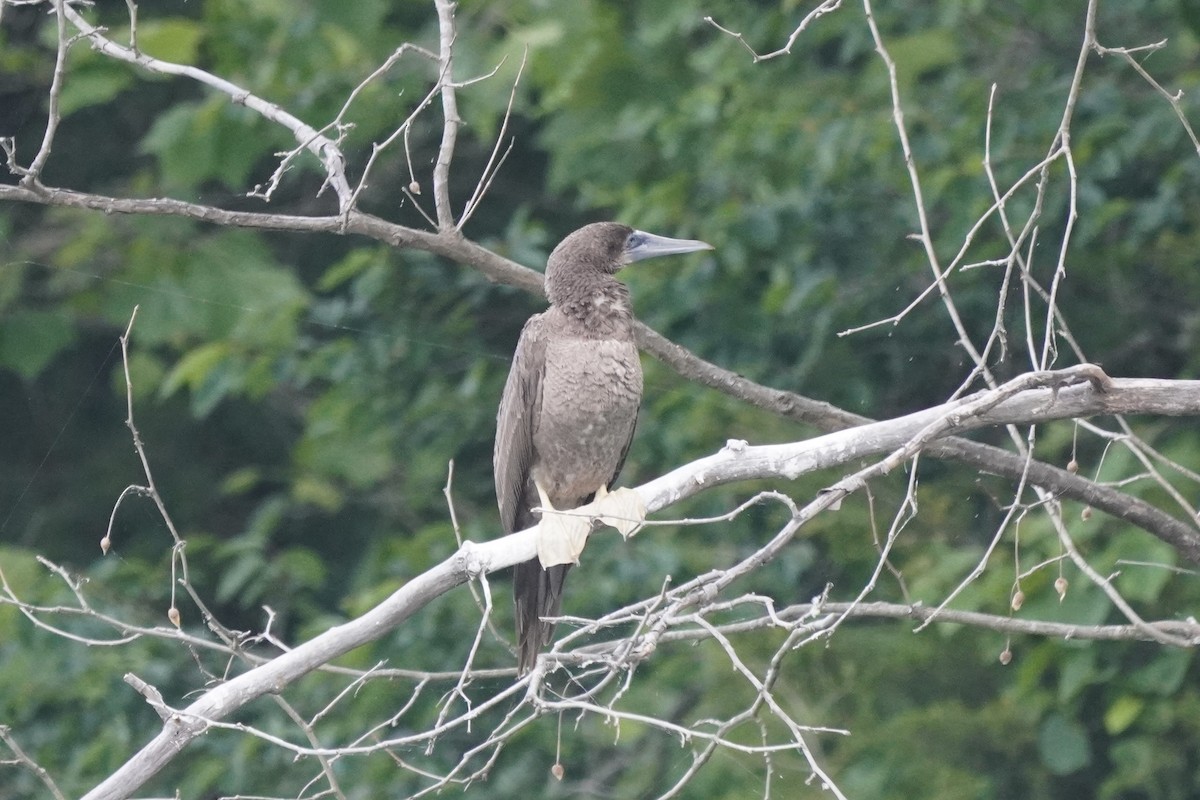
(570, 403)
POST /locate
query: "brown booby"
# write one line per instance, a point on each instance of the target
(570, 403)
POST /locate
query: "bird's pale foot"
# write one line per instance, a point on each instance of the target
(562, 535)
(622, 509)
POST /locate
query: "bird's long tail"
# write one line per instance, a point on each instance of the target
(538, 593)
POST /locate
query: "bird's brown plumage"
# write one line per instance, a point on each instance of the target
(570, 403)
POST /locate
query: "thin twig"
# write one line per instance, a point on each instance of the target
(824, 8)
(33, 176)
(450, 118)
(23, 759)
(319, 145)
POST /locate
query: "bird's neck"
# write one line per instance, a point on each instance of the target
(597, 304)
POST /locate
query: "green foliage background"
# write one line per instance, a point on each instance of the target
(301, 395)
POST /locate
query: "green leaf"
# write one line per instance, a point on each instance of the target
(241, 481)
(1063, 745)
(1121, 714)
(341, 271)
(171, 39)
(314, 491)
(11, 278)
(30, 339)
(209, 140)
(226, 378)
(922, 52)
(195, 367)
(1142, 581)
(238, 573)
(182, 138)
(94, 87)
(1165, 674)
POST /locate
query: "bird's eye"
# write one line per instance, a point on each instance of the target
(635, 240)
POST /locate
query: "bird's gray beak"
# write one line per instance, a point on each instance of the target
(642, 245)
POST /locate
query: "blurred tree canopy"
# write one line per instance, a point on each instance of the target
(302, 395)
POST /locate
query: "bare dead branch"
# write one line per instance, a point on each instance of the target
(450, 118)
(327, 773)
(32, 177)
(1106, 586)
(1127, 53)
(917, 612)
(603, 672)
(341, 126)
(178, 558)
(377, 148)
(689, 366)
(319, 145)
(824, 8)
(925, 235)
(1069, 393)
(133, 20)
(492, 168)
(22, 759)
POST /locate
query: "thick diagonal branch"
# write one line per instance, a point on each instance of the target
(733, 463)
(824, 416)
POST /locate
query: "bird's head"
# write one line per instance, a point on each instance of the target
(604, 248)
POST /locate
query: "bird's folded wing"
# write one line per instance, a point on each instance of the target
(520, 407)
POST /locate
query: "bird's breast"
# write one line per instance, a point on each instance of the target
(591, 391)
